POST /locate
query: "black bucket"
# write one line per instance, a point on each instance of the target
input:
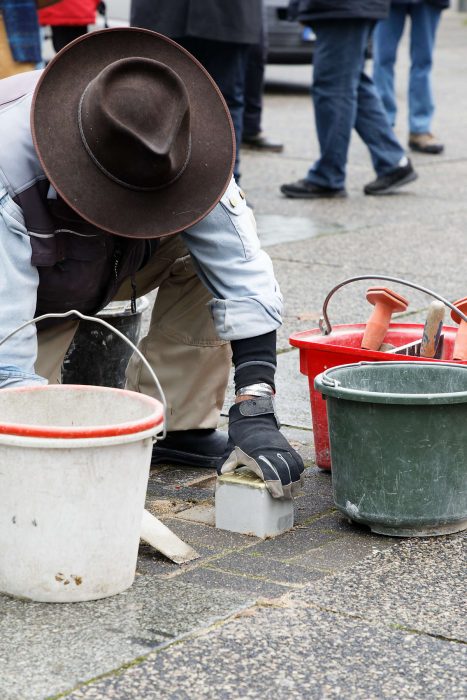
(97, 356)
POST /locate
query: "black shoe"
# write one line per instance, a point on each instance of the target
(302, 189)
(387, 184)
(191, 448)
(259, 142)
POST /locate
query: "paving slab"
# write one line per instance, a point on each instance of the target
(291, 652)
(46, 648)
(420, 584)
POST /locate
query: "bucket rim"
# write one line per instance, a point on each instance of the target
(328, 386)
(313, 338)
(152, 420)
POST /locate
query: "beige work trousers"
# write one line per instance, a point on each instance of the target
(182, 346)
(8, 65)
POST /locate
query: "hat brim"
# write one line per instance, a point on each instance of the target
(84, 187)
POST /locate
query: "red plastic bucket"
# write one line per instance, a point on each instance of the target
(318, 352)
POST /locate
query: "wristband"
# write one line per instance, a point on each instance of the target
(261, 389)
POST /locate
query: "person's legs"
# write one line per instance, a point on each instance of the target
(254, 79)
(338, 62)
(252, 135)
(226, 62)
(182, 345)
(425, 19)
(386, 39)
(374, 129)
(53, 343)
(63, 34)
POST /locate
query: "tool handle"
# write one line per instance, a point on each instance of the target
(432, 329)
(377, 326)
(95, 319)
(325, 324)
(460, 344)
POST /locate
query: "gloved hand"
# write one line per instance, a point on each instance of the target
(256, 442)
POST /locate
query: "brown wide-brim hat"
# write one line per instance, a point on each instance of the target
(87, 188)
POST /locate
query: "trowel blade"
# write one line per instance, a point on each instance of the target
(165, 541)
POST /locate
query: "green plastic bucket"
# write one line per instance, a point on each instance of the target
(398, 436)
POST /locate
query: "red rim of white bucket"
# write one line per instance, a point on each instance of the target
(54, 431)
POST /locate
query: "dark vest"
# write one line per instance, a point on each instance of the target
(80, 266)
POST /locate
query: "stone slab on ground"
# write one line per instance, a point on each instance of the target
(420, 585)
(46, 649)
(296, 652)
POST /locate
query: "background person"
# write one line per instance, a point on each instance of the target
(345, 98)
(218, 33)
(252, 135)
(424, 20)
(68, 19)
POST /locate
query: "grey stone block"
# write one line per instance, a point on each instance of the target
(244, 505)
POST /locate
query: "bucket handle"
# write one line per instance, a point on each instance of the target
(325, 325)
(94, 319)
(330, 381)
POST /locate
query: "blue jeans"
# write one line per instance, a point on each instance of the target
(345, 98)
(424, 23)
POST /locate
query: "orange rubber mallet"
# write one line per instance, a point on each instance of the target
(460, 344)
(386, 302)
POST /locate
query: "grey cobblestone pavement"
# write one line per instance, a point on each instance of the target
(328, 609)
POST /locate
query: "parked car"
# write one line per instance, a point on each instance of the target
(289, 42)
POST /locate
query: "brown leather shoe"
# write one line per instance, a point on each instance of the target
(425, 143)
(259, 142)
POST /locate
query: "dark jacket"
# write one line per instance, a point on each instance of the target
(312, 10)
(237, 21)
(441, 4)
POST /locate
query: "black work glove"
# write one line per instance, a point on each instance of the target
(256, 442)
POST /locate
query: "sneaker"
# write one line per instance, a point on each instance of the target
(425, 143)
(387, 184)
(303, 189)
(259, 142)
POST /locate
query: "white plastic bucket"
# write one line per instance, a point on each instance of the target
(74, 467)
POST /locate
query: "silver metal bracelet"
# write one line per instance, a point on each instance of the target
(260, 389)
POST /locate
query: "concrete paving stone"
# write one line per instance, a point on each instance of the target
(316, 497)
(203, 513)
(150, 562)
(169, 475)
(250, 563)
(178, 485)
(197, 534)
(46, 649)
(294, 653)
(301, 539)
(253, 586)
(343, 552)
(420, 584)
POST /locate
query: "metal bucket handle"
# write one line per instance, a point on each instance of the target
(120, 335)
(325, 325)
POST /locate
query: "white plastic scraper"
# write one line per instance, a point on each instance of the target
(165, 541)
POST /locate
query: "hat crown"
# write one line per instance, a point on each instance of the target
(134, 119)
